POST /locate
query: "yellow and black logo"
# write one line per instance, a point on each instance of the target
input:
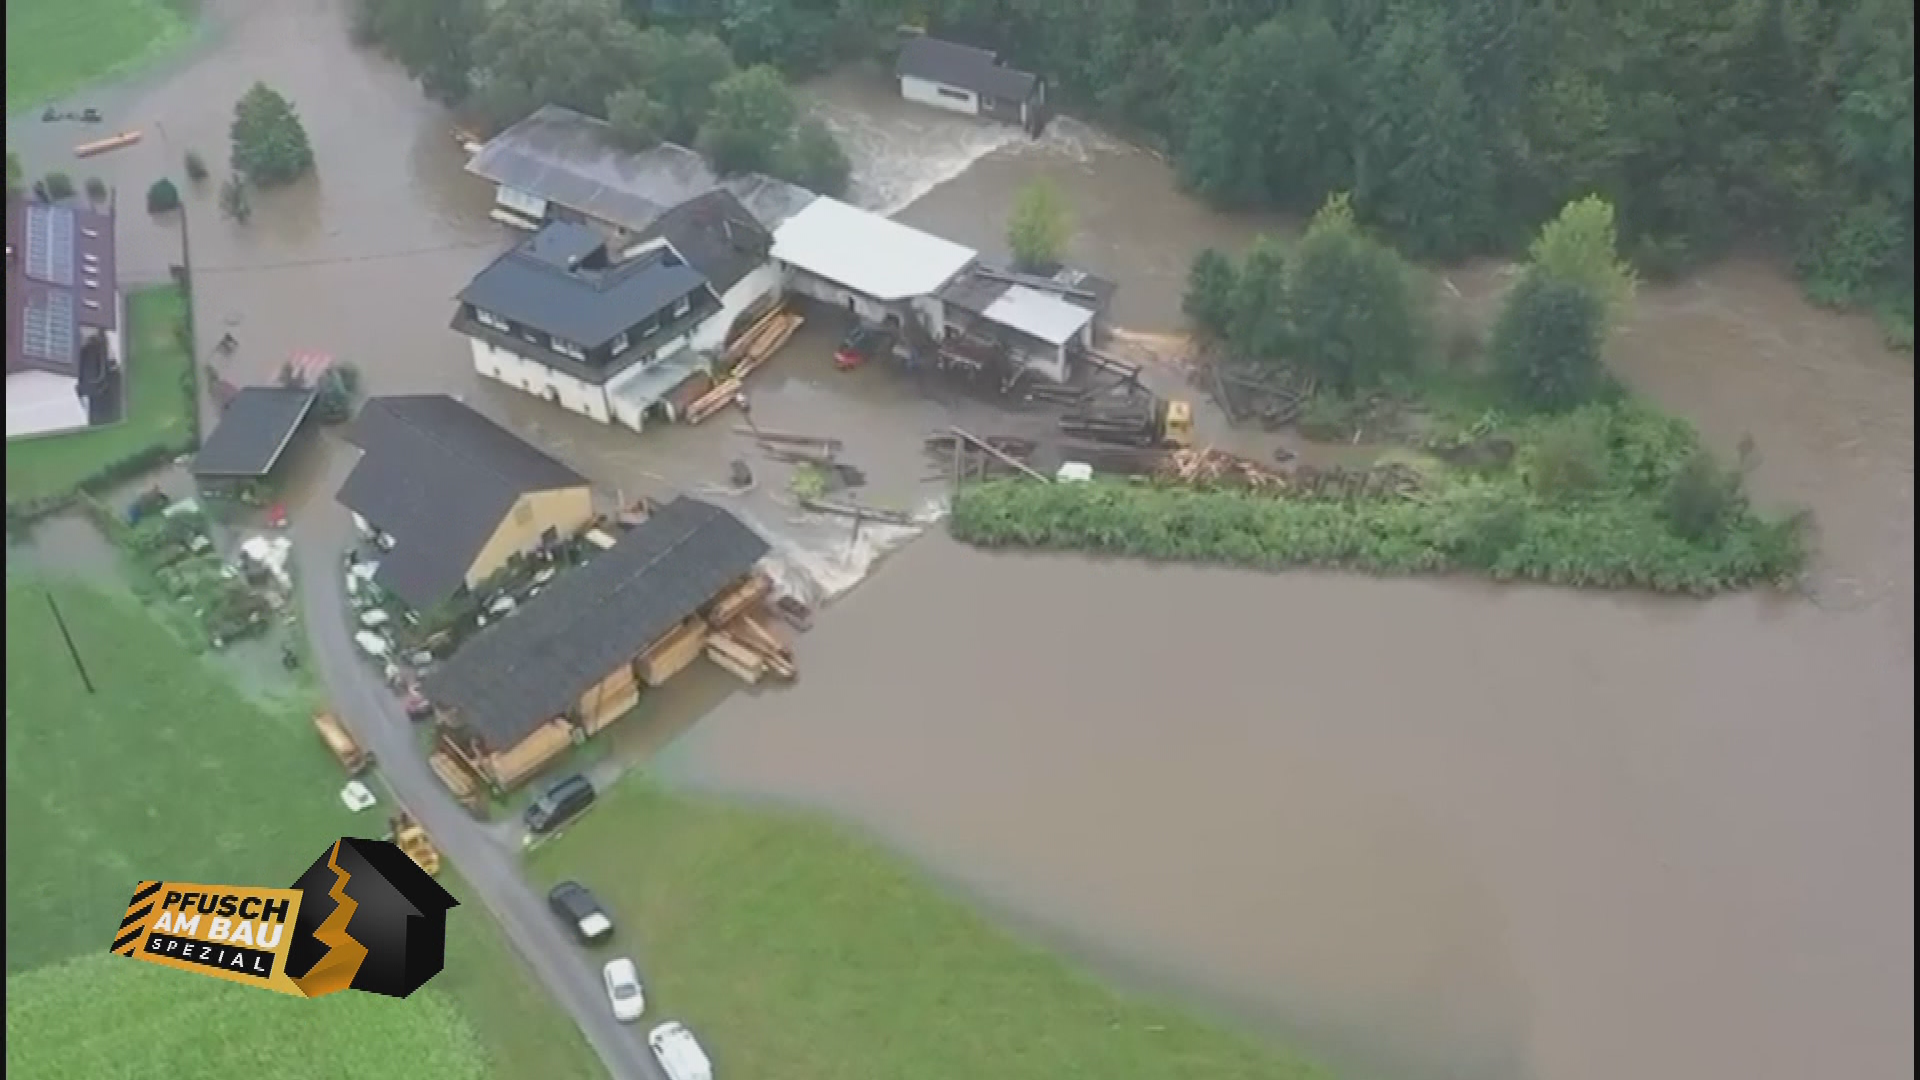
(364, 916)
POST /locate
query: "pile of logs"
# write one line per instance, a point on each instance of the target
(740, 640)
(1258, 392)
(820, 452)
(722, 395)
(760, 341)
(1217, 468)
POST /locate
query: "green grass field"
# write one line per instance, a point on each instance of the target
(159, 410)
(167, 771)
(55, 47)
(797, 951)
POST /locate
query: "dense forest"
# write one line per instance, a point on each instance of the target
(1457, 125)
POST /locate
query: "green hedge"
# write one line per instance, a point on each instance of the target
(1491, 526)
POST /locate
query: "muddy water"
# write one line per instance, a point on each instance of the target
(1432, 828)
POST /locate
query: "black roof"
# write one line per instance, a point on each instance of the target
(962, 66)
(717, 235)
(560, 282)
(253, 431)
(438, 478)
(536, 663)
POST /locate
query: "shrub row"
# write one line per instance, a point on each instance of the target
(1489, 526)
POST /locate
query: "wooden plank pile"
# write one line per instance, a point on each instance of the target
(714, 400)
(733, 603)
(513, 767)
(961, 460)
(464, 785)
(609, 700)
(748, 649)
(671, 654)
(759, 342)
(1217, 468)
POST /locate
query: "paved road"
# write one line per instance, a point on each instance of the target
(491, 867)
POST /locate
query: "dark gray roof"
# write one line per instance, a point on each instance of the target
(717, 235)
(963, 67)
(572, 159)
(975, 291)
(438, 478)
(542, 285)
(253, 431)
(536, 663)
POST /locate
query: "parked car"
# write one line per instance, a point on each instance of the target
(624, 992)
(679, 1053)
(861, 345)
(416, 703)
(562, 802)
(578, 909)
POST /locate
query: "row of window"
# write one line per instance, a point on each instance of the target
(569, 349)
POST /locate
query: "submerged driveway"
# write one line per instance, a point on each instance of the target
(362, 700)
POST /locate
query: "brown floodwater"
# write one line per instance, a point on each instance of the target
(1428, 828)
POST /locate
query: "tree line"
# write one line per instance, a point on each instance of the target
(654, 82)
(1457, 125)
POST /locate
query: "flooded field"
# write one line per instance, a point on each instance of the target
(1433, 828)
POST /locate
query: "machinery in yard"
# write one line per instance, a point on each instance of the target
(1139, 419)
(409, 837)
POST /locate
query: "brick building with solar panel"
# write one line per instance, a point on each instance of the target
(64, 317)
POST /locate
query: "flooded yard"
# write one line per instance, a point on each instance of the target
(1435, 828)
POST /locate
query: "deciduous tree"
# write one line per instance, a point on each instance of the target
(638, 121)
(1208, 302)
(813, 159)
(432, 39)
(1579, 247)
(1352, 315)
(572, 53)
(1546, 344)
(752, 119)
(269, 142)
(1040, 226)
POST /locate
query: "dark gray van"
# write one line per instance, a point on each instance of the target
(563, 802)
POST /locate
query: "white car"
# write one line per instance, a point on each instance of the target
(624, 990)
(679, 1052)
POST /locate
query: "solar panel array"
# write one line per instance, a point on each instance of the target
(47, 329)
(50, 244)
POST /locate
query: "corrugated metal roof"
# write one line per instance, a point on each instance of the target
(866, 252)
(1038, 315)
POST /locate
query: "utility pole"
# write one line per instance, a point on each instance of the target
(71, 650)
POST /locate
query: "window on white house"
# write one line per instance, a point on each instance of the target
(488, 318)
(620, 344)
(567, 348)
(956, 95)
(682, 306)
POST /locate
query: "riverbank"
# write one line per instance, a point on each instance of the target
(795, 949)
(1612, 496)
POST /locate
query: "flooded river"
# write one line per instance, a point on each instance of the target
(1429, 828)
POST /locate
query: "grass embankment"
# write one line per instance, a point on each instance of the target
(168, 771)
(159, 421)
(1612, 496)
(55, 47)
(796, 951)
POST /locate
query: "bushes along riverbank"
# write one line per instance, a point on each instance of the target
(1608, 497)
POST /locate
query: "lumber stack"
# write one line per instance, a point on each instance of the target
(713, 400)
(748, 649)
(673, 652)
(514, 767)
(463, 784)
(759, 344)
(732, 603)
(611, 699)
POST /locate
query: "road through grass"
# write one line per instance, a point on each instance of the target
(168, 771)
(55, 47)
(159, 407)
(797, 951)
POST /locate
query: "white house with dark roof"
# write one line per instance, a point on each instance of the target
(963, 79)
(601, 332)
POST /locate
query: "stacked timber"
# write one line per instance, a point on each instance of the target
(760, 341)
(681, 398)
(615, 695)
(713, 400)
(671, 654)
(743, 594)
(748, 649)
(513, 767)
(463, 784)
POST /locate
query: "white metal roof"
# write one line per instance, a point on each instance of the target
(867, 253)
(1038, 314)
(41, 403)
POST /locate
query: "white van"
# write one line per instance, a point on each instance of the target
(679, 1052)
